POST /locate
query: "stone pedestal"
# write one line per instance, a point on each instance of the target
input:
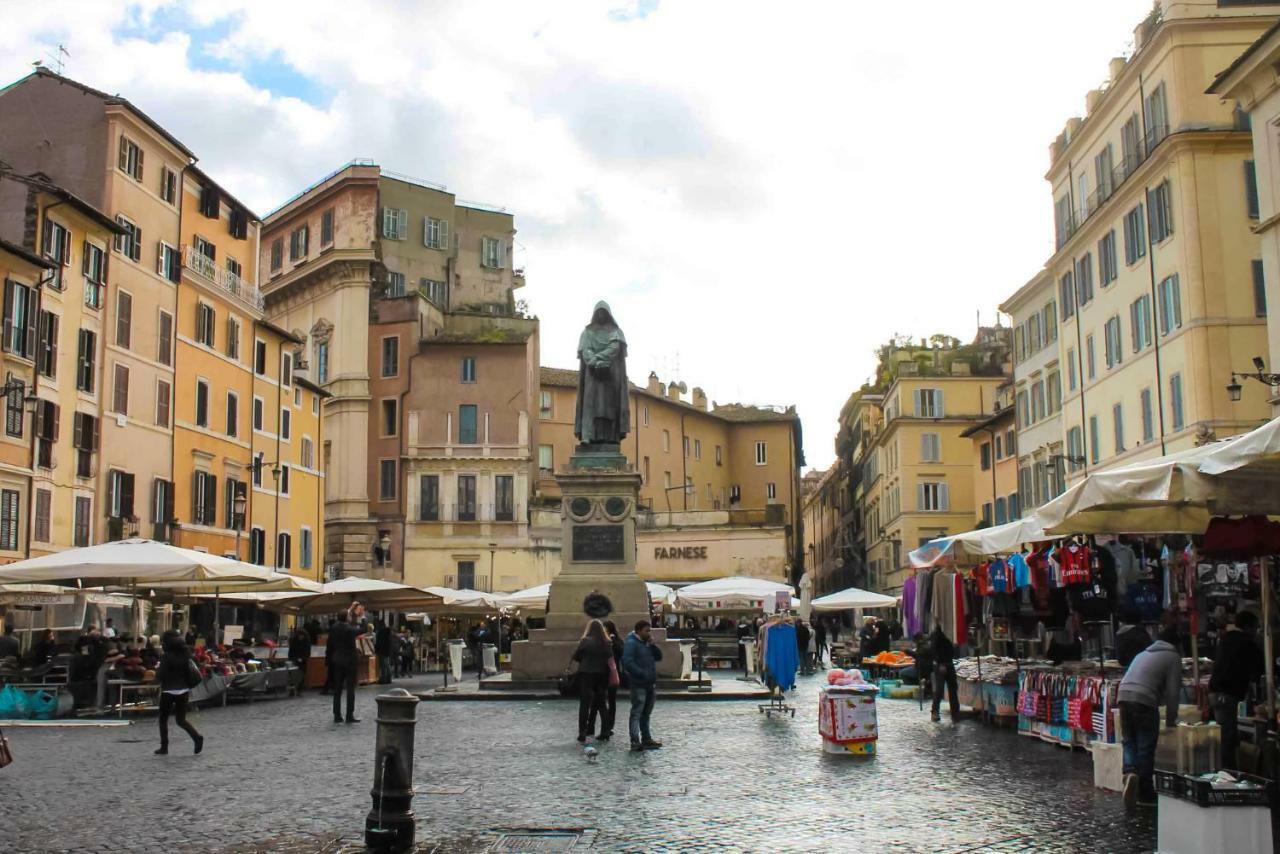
(598, 555)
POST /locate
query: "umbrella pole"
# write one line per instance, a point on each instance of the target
(1267, 646)
(217, 596)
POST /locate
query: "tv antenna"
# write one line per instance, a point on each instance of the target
(58, 58)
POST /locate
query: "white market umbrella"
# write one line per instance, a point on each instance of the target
(853, 598)
(370, 592)
(133, 562)
(973, 546)
(737, 592)
(535, 598)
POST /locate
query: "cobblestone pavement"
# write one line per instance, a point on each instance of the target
(278, 776)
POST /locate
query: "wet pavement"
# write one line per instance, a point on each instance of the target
(279, 776)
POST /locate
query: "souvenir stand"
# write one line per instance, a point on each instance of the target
(847, 714)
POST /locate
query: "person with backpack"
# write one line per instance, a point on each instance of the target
(177, 675)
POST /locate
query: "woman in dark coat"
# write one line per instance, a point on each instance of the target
(610, 712)
(177, 674)
(593, 654)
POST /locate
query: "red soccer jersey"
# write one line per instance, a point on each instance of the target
(1075, 564)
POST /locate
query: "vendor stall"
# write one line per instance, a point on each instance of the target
(847, 714)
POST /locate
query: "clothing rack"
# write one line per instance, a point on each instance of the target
(777, 705)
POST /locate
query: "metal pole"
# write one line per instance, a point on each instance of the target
(1267, 646)
(217, 597)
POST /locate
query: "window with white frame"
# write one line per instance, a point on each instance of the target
(933, 497)
(435, 233)
(928, 403)
(492, 254)
(931, 447)
(130, 158)
(129, 244)
(308, 453)
(395, 223)
(762, 453)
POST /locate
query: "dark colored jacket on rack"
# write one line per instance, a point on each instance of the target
(341, 646)
(1237, 664)
(592, 656)
(1130, 641)
(640, 661)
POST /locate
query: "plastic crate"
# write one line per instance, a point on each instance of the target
(1205, 794)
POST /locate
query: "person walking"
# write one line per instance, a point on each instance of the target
(609, 713)
(593, 655)
(342, 663)
(382, 649)
(300, 650)
(640, 659)
(803, 636)
(177, 675)
(1154, 676)
(820, 639)
(944, 674)
(1238, 664)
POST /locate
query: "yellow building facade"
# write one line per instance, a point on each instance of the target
(996, 497)
(1250, 81)
(22, 271)
(925, 466)
(1155, 203)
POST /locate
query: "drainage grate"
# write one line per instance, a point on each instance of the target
(538, 841)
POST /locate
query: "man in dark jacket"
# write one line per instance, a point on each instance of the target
(944, 674)
(9, 646)
(1238, 663)
(342, 664)
(640, 657)
(1131, 639)
(382, 649)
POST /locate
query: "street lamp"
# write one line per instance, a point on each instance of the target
(384, 543)
(1235, 389)
(238, 505)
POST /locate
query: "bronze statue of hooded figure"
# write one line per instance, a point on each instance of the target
(603, 413)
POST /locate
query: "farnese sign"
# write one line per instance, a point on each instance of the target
(680, 552)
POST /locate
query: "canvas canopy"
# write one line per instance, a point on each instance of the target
(135, 562)
(737, 592)
(338, 595)
(535, 598)
(851, 599)
(972, 546)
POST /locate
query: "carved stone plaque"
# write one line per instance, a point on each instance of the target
(599, 544)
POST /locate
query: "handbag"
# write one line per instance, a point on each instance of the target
(6, 753)
(567, 683)
(193, 674)
(614, 681)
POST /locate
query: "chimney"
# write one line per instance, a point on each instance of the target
(654, 386)
(1073, 127)
(699, 399)
(1091, 100)
(674, 390)
(1116, 67)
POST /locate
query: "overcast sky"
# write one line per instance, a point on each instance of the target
(763, 192)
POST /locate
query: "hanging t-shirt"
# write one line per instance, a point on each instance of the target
(1126, 565)
(982, 578)
(1093, 602)
(1104, 569)
(1144, 597)
(1021, 572)
(1053, 557)
(999, 575)
(1075, 564)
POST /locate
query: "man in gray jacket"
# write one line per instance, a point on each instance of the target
(1154, 677)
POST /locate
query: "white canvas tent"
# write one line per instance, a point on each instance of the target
(853, 599)
(737, 592)
(135, 562)
(972, 546)
(535, 598)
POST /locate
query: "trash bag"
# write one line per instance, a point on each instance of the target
(13, 704)
(42, 705)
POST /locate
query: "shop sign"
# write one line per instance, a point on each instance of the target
(680, 552)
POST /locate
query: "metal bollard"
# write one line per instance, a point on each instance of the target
(390, 825)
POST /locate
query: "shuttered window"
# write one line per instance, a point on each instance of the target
(9, 519)
(1259, 290)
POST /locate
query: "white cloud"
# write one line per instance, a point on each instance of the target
(764, 193)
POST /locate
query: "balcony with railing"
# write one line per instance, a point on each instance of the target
(224, 279)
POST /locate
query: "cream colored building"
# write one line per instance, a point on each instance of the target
(1251, 82)
(1039, 369)
(1154, 200)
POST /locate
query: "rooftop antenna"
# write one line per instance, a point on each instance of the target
(57, 58)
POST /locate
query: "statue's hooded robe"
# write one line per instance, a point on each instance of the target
(603, 410)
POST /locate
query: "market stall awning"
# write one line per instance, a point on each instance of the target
(373, 593)
(848, 600)
(535, 598)
(737, 592)
(129, 562)
(973, 546)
